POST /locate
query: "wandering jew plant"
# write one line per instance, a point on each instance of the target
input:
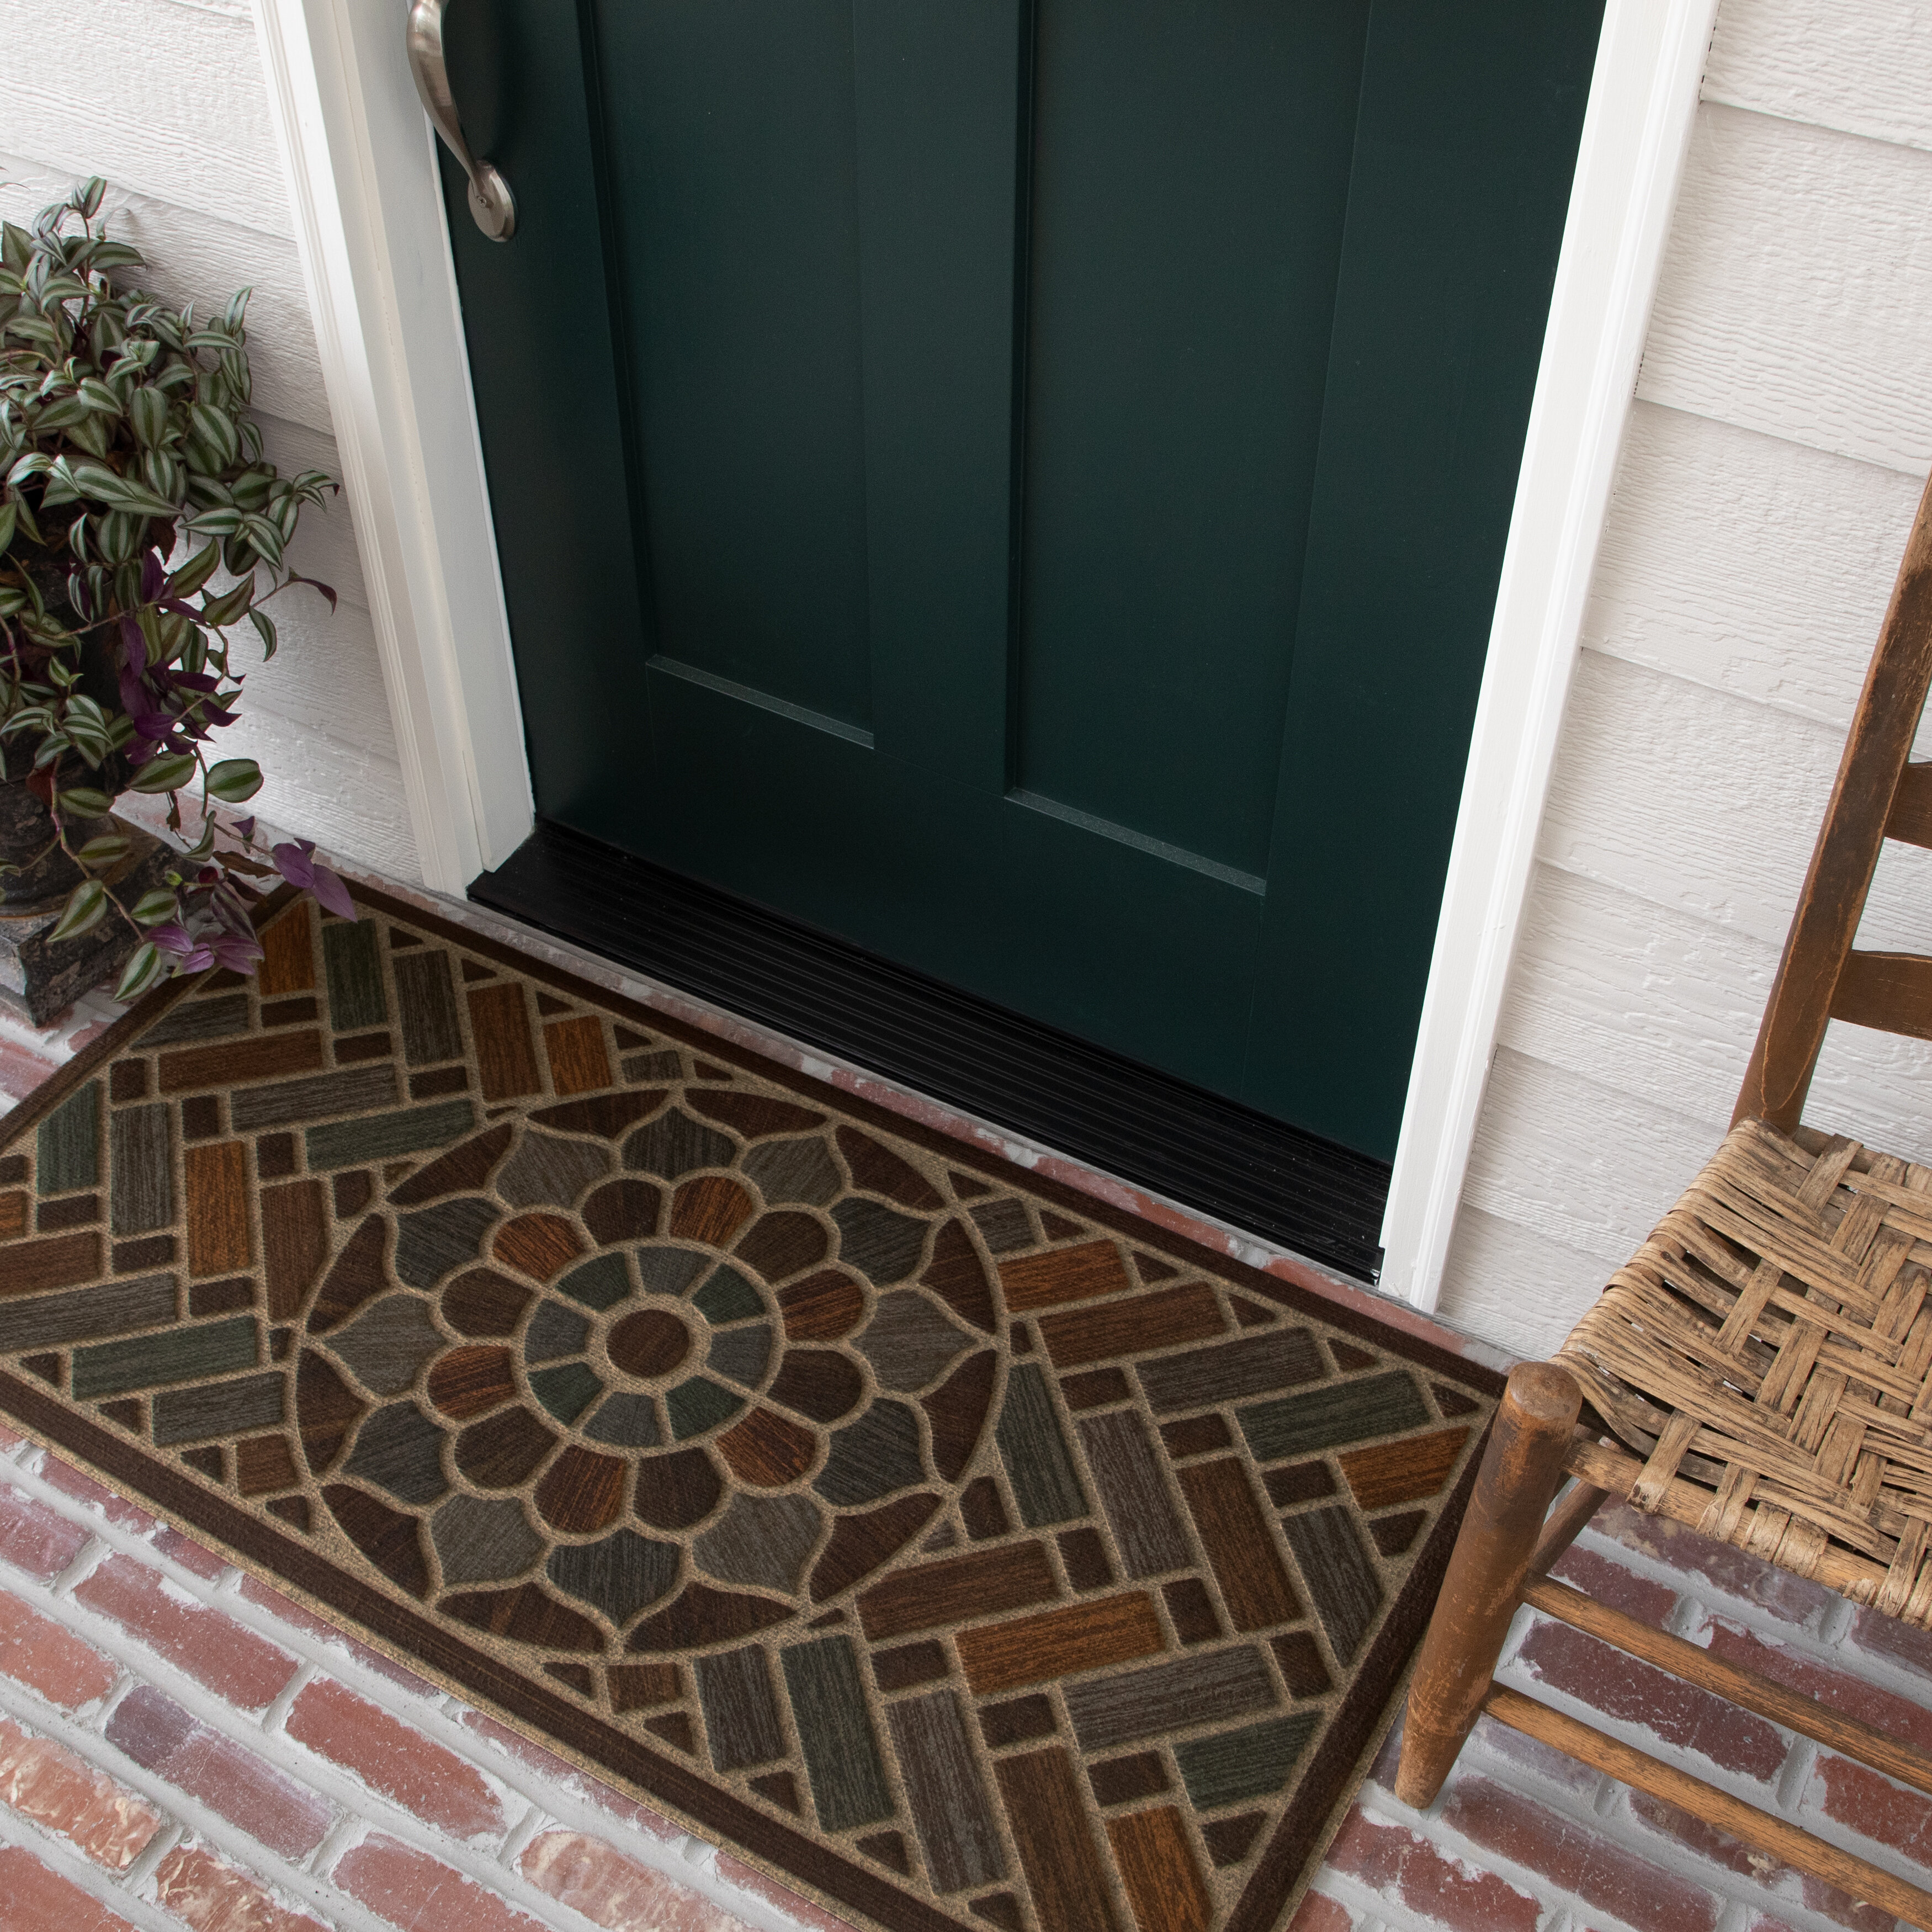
(139, 524)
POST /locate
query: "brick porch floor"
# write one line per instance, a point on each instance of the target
(180, 1747)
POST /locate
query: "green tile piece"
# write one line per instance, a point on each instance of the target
(601, 1283)
(181, 1355)
(842, 1755)
(1045, 1484)
(142, 1193)
(872, 1457)
(554, 1332)
(288, 1101)
(220, 1408)
(430, 1029)
(400, 1449)
(433, 1240)
(741, 1712)
(199, 1019)
(669, 1270)
(727, 1296)
(68, 1149)
(1322, 1418)
(384, 1136)
(1339, 1573)
(352, 959)
(112, 1308)
(566, 1392)
(1248, 1763)
(697, 1404)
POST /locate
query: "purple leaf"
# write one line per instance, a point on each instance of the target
(293, 862)
(171, 937)
(236, 952)
(332, 893)
(243, 829)
(153, 574)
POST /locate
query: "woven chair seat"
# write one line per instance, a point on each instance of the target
(1767, 1354)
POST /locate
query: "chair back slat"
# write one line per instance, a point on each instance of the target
(1911, 819)
(1890, 990)
(1803, 996)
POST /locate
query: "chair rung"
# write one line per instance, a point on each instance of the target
(1891, 991)
(1741, 1687)
(1790, 1842)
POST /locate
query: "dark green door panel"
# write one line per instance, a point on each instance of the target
(1468, 139)
(1020, 487)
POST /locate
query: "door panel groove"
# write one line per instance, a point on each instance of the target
(1158, 848)
(853, 734)
(1209, 1153)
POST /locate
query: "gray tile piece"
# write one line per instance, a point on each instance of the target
(220, 1408)
(835, 1731)
(1135, 1704)
(1127, 1472)
(1045, 1484)
(142, 1195)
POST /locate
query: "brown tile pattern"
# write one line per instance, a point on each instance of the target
(700, 1401)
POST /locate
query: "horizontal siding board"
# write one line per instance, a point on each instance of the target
(163, 99)
(1864, 70)
(1514, 1287)
(1796, 296)
(1747, 563)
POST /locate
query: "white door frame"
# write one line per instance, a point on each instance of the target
(375, 249)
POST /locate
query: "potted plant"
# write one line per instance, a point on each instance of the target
(139, 526)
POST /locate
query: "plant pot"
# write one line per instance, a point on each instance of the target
(45, 875)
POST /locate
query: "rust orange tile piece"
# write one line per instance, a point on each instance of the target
(578, 1062)
(538, 1244)
(1402, 1472)
(288, 954)
(234, 1061)
(12, 1217)
(1163, 1320)
(1163, 1882)
(216, 1174)
(500, 1024)
(930, 1594)
(1240, 1544)
(1066, 1274)
(28, 1267)
(1082, 1636)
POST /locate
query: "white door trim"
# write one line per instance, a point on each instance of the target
(369, 223)
(1643, 99)
(375, 252)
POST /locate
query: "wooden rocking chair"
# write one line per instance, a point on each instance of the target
(1762, 1368)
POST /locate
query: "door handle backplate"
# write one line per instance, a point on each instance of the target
(491, 200)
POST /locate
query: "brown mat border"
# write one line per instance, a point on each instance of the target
(1308, 1821)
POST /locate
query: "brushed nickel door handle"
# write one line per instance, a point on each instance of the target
(491, 200)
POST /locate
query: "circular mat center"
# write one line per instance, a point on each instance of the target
(651, 1342)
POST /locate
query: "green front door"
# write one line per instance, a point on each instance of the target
(1021, 487)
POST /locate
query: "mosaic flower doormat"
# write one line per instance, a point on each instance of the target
(961, 1550)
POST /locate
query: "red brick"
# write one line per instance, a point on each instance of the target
(1878, 1635)
(35, 1651)
(65, 1477)
(414, 1770)
(33, 1538)
(1319, 1913)
(33, 1899)
(1596, 1576)
(547, 1765)
(207, 1643)
(45, 1782)
(157, 1733)
(22, 1069)
(417, 1893)
(1403, 1866)
(1748, 1578)
(1900, 1716)
(1681, 1716)
(9, 1437)
(1542, 1763)
(305, 1620)
(1578, 1859)
(596, 1879)
(1760, 1868)
(1873, 1806)
(208, 1896)
(190, 1555)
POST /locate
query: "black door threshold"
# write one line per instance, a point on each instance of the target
(1211, 1154)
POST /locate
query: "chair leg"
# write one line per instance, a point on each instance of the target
(1521, 1469)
